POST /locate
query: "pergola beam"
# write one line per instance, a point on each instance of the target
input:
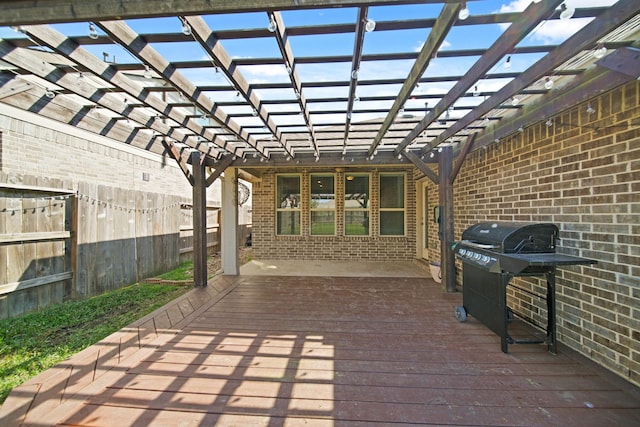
(51, 11)
(592, 83)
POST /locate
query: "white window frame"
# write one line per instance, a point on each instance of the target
(367, 209)
(404, 203)
(280, 207)
(313, 176)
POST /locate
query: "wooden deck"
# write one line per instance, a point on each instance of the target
(328, 351)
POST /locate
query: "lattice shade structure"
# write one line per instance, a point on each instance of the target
(278, 82)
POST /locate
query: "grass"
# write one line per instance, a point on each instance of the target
(182, 272)
(32, 343)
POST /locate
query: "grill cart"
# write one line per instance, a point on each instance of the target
(492, 253)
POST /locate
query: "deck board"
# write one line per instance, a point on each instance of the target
(323, 351)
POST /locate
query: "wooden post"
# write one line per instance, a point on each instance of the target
(445, 186)
(199, 220)
(71, 217)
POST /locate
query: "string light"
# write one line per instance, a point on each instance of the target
(464, 12)
(565, 12)
(507, 63)
(476, 92)
(590, 109)
(369, 25)
(548, 83)
(186, 28)
(93, 33)
(600, 51)
(272, 25)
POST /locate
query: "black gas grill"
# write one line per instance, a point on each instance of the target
(492, 253)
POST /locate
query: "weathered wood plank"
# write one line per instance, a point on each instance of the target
(38, 281)
(16, 238)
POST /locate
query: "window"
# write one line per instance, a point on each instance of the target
(288, 205)
(356, 204)
(392, 204)
(322, 205)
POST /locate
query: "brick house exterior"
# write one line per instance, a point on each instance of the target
(267, 245)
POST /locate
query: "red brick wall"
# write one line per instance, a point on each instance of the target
(583, 174)
(266, 245)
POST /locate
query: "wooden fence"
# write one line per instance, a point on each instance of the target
(58, 244)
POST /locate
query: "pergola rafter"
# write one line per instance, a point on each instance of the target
(66, 110)
(439, 31)
(307, 116)
(361, 25)
(101, 97)
(207, 39)
(617, 15)
(280, 33)
(529, 19)
(139, 48)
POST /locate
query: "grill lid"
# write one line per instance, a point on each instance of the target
(514, 237)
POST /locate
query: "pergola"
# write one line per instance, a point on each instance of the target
(173, 78)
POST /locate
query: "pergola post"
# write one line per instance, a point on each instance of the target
(229, 223)
(199, 220)
(445, 187)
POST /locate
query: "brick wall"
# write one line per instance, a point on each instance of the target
(266, 245)
(583, 174)
(57, 151)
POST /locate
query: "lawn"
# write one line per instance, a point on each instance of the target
(35, 342)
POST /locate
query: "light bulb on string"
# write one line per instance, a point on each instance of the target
(476, 92)
(548, 83)
(186, 28)
(369, 25)
(565, 12)
(507, 63)
(272, 25)
(464, 12)
(600, 52)
(93, 33)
